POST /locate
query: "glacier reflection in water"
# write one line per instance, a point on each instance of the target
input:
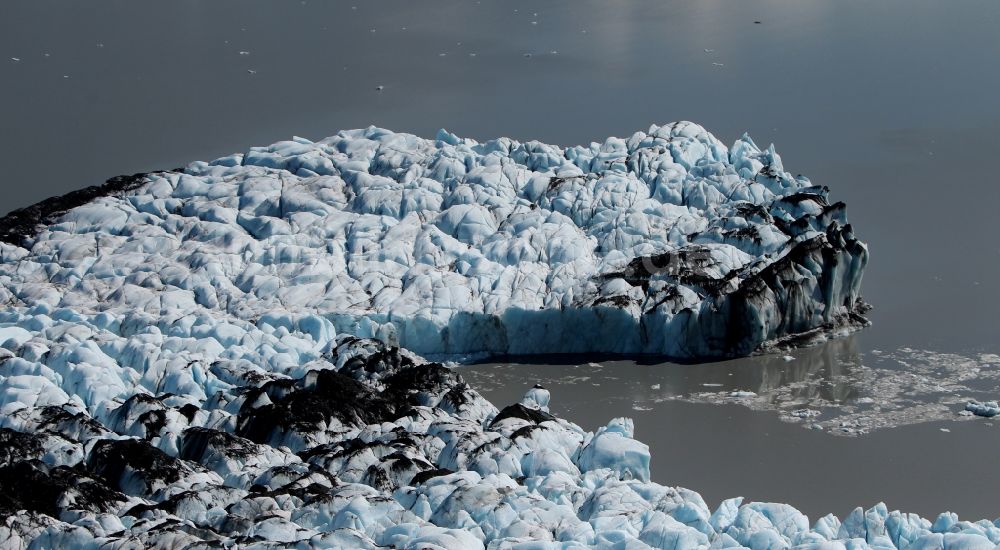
(833, 387)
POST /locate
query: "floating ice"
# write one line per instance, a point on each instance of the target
(988, 409)
(860, 392)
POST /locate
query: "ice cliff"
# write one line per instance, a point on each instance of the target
(667, 242)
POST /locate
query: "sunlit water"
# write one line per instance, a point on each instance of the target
(892, 104)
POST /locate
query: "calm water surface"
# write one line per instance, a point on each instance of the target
(925, 461)
(892, 104)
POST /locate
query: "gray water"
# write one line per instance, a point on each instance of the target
(892, 104)
(721, 446)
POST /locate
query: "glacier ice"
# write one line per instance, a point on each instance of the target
(667, 242)
(215, 356)
(358, 445)
(988, 409)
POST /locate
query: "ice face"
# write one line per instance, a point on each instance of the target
(667, 242)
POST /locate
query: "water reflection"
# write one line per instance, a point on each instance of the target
(833, 387)
(820, 372)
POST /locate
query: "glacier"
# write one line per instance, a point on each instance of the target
(232, 354)
(666, 243)
(355, 444)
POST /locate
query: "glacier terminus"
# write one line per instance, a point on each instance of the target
(236, 353)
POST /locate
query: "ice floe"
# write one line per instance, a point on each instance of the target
(988, 409)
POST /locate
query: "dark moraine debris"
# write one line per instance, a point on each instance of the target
(330, 395)
(750, 211)
(425, 475)
(336, 450)
(518, 410)
(688, 266)
(385, 360)
(456, 397)
(172, 527)
(525, 431)
(400, 462)
(776, 284)
(409, 386)
(144, 409)
(76, 426)
(19, 446)
(22, 224)
(616, 301)
(37, 487)
(199, 443)
(218, 495)
(749, 233)
(118, 462)
(739, 296)
(340, 449)
(189, 411)
(376, 477)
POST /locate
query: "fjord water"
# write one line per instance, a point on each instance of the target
(891, 104)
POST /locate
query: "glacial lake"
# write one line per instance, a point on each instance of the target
(892, 104)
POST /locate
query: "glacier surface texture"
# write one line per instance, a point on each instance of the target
(214, 357)
(667, 242)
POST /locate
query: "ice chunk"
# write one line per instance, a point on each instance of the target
(613, 447)
(537, 398)
(988, 409)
